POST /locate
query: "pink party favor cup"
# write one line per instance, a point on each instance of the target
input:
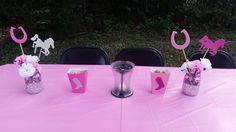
(78, 79)
(159, 80)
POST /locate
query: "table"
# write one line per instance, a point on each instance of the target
(57, 109)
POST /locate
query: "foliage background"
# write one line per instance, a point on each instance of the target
(115, 24)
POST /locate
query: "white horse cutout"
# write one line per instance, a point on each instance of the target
(37, 42)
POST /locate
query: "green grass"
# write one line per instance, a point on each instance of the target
(113, 41)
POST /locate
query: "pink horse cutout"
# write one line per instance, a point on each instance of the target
(206, 43)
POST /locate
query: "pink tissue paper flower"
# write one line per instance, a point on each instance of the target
(20, 59)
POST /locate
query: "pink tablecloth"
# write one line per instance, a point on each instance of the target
(57, 109)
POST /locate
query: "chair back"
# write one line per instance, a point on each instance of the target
(221, 60)
(141, 56)
(84, 55)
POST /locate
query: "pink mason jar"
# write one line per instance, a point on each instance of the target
(191, 83)
(33, 84)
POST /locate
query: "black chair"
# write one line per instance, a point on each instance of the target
(221, 60)
(84, 55)
(141, 56)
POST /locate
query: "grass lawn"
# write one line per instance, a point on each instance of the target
(113, 41)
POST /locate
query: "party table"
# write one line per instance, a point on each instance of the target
(57, 109)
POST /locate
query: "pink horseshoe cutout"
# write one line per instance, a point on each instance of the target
(183, 46)
(19, 41)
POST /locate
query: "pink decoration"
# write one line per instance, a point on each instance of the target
(36, 66)
(159, 82)
(206, 43)
(78, 79)
(177, 46)
(19, 41)
(197, 64)
(194, 73)
(20, 59)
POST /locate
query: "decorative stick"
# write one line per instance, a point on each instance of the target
(206, 53)
(22, 51)
(40, 53)
(185, 55)
(183, 46)
(186, 60)
(19, 41)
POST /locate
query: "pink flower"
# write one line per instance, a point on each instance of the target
(20, 59)
(198, 65)
(36, 66)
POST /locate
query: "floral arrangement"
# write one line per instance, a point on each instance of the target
(29, 65)
(203, 64)
(193, 70)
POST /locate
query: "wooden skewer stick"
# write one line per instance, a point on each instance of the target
(40, 53)
(206, 53)
(22, 49)
(186, 59)
(185, 55)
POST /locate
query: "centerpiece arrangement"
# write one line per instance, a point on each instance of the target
(29, 67)
(30, 70)
(193, 69)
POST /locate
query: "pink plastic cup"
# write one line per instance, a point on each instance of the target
(159, 80)
(78, 79)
